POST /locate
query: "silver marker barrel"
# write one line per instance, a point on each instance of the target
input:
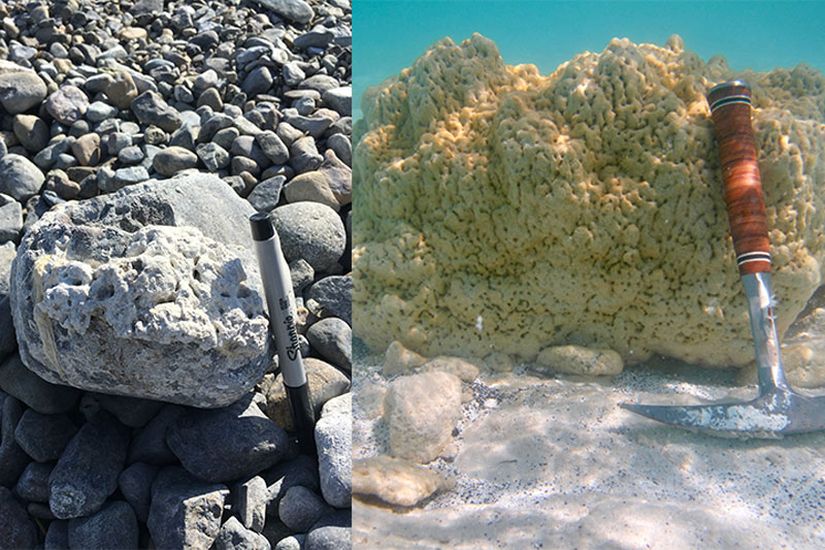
(280, 301)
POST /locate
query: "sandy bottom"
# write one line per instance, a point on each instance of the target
(555, 463)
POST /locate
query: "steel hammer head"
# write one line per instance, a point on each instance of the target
(769, 416)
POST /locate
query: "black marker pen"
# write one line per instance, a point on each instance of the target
(280, 301)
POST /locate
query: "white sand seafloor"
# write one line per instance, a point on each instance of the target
(555, 463)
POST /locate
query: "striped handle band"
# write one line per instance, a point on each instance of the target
(749, 257)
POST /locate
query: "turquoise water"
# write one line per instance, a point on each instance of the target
(390, 35)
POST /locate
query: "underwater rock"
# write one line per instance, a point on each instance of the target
(394, 480)
(580, 360)
(464, 370)
(581, 207)
(421, 411)
(167, 313)
(398, 359)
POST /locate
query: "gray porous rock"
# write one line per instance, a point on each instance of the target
(185, 511)
(166, 313)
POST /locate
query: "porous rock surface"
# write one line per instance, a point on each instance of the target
(163, 312)
(504, 210)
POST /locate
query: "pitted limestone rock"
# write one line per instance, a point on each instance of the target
(504, 210)
(158, 311)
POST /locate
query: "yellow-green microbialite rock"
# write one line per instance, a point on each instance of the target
(502, 210)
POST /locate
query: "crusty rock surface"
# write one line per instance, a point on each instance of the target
(505, 210)
(163, 312)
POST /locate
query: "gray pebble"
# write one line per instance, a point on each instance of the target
(114, 526)
(234, 536)
(42, 396)
(87, 472)
(302, 275)
(21, 90)
(332, 339)
(273, 147)
(257, 82)
(17, 530)
(291, 10)
(212, 98)
(44, 436)
(333, 438)
(32, 132)
(149, 443)
(292, 74)
(292, 542)
(11, 219)
(266, 194)
(333, 295)
(33, 484)
(339, 99)
(300, 508)
(213, 156)
(304, 155)
(57, 537)
(150, 108)
(320, 83)
(342, 146)
(185, 512)
(129, 176)
(249, 503)
(19, 178)
(100, 111)
(332, 532)
(242, 441)
(67, 105)
(311, 231)
(130, 411)
(130, 155)
(135, 483)
(118, 141)
(13, 459)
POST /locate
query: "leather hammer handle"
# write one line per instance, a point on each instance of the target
(730, 107)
